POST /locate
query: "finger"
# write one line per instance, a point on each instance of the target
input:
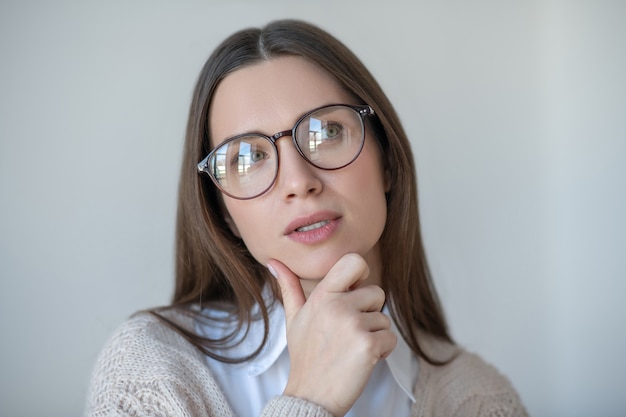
(367, 299)
(378, 344)
(350, 269)
(375, 321)
(290, 288)
(388, 343)
(370, 298)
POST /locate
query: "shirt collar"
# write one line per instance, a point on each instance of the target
(276, 340)
(219, 323)
(402, 362)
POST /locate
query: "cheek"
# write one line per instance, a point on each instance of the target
(251, 225)
(373, 185)
(365, 188)
(371, 177)
(231, 223)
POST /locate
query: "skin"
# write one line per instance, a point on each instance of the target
(335, 331)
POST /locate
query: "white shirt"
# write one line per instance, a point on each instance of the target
(248, 386)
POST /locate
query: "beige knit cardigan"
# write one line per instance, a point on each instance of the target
(147, 369)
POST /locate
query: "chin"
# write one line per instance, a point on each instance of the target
(313, 269)
(309, 274)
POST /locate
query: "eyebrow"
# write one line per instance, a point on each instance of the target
(297, 119)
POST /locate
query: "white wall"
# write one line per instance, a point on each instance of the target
(516, 111)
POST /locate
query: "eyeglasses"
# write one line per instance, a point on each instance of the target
(329, 137)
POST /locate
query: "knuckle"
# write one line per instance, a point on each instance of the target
(394, 339)
(386, 321)
(354, 321)
(379, 292)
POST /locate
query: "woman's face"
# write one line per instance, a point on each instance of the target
(342, 211)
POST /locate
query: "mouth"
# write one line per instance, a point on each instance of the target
(313, 226)
(311, 223)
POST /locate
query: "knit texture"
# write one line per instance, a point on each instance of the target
(147, 369)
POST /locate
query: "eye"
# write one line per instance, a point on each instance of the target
(249, 152)
(332, 130)
(258, 155)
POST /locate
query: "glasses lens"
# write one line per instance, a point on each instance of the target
(331, 137)
(244, 167)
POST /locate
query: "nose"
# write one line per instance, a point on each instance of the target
(296, 177)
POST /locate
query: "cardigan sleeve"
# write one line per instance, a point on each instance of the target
(146, 369)
(465, 387)
(502, 404)
(285, 406)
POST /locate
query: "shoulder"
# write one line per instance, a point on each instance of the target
(146, 368)
(138, 342)
(465, 386)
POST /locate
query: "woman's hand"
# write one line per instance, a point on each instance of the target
(336, 336)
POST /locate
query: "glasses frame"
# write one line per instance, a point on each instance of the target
(362, 110)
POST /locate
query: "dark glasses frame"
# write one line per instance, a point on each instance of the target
(203, 166)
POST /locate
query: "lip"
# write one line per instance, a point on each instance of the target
(316, 235)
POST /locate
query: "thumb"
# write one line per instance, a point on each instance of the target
(290, 288)
(347, 274)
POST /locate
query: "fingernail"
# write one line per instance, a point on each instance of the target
(272, 271)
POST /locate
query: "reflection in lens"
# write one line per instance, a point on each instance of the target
(331, 137)
(245, 166)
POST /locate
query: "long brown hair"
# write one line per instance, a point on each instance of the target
(212, 265)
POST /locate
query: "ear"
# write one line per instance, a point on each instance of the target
(231, 224)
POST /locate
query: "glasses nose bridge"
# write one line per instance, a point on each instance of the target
(278, 135)
(289, 132)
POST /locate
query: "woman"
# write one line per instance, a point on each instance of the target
(302, 286)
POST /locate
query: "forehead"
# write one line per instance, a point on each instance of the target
(270, 96)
